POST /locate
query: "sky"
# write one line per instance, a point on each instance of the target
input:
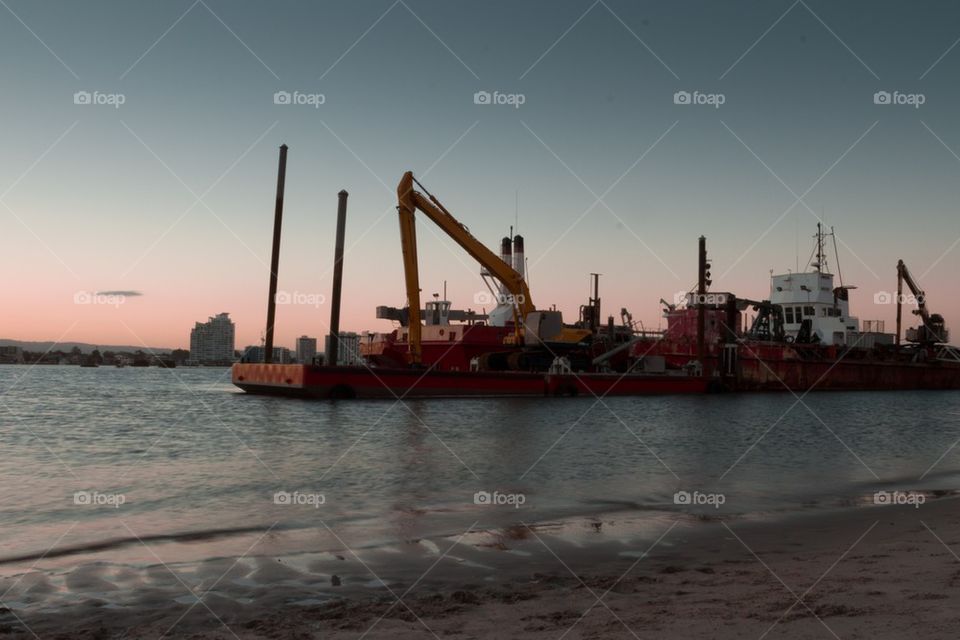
(139, 153)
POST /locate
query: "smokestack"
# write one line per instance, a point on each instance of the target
(506, 251)
(275, 256)
(334, 350)
(518, 265)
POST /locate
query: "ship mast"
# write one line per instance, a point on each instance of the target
(836, 253)
(818, 265)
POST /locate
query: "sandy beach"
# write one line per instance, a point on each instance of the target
(865, 572)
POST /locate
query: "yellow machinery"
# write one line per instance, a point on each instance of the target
(543, 325)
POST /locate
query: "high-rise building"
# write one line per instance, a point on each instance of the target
(254, 353)
(348, 353)
(306, 349)
(211, 342)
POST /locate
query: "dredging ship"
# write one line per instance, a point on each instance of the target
(802, 338)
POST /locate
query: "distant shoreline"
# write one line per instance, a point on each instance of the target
(85, 347)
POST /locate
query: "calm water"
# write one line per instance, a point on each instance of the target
(188, 453)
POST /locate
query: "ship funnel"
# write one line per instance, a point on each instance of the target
(506, 251)
(518, 264)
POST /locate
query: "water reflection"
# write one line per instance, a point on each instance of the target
(191, 454)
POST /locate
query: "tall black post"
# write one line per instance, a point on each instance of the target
(701, 298)
(899, 299)
(275, 256)
(334, 349)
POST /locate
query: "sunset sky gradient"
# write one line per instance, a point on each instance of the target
(172, 193)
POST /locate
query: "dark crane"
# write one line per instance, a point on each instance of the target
(932, 331)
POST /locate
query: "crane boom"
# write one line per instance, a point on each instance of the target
(918, 293)
(932, 331)
(410, 200)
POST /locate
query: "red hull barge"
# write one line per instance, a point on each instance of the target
(773, 367)
(311, 381)
(756, 375)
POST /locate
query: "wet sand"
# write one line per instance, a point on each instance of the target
(867, 572)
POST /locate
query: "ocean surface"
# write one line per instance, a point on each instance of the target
(138, 467)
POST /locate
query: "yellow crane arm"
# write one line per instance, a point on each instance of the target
(409, 201)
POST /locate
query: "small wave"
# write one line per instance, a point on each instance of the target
(114, 543)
